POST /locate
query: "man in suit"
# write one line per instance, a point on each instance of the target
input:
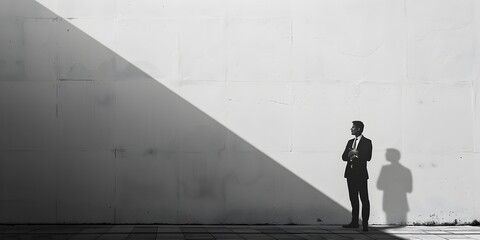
(357, 153)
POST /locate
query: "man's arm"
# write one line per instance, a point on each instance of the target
(345, 155)
(365, 153)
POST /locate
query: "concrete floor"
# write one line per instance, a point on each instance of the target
(233, 232)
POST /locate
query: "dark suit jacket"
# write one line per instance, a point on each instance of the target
(358, 167)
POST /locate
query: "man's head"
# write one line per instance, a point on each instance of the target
(393, 155)
(357, 128)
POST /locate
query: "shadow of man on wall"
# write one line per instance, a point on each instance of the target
(395, 181)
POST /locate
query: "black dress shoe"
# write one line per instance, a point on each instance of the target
(351, 225)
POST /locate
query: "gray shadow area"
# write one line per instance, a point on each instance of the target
(395, 181)
(124, 148)
(116, 146)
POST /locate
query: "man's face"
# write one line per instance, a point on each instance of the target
(355, 131)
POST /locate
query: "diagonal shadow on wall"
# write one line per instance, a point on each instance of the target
(119, 147)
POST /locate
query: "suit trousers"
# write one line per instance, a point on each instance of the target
(357, 187)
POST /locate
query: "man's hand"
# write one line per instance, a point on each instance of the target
(352, 153)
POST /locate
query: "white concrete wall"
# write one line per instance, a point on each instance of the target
(234, 111)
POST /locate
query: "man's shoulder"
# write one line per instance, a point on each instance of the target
(363, 138)
(366, 139)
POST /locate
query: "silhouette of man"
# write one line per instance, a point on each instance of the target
(396, 181)
(357, 153)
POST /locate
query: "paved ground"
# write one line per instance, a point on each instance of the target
(231, 232)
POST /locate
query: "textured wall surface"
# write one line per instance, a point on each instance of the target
(234, 111)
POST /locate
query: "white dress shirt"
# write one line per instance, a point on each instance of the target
(355, 143)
